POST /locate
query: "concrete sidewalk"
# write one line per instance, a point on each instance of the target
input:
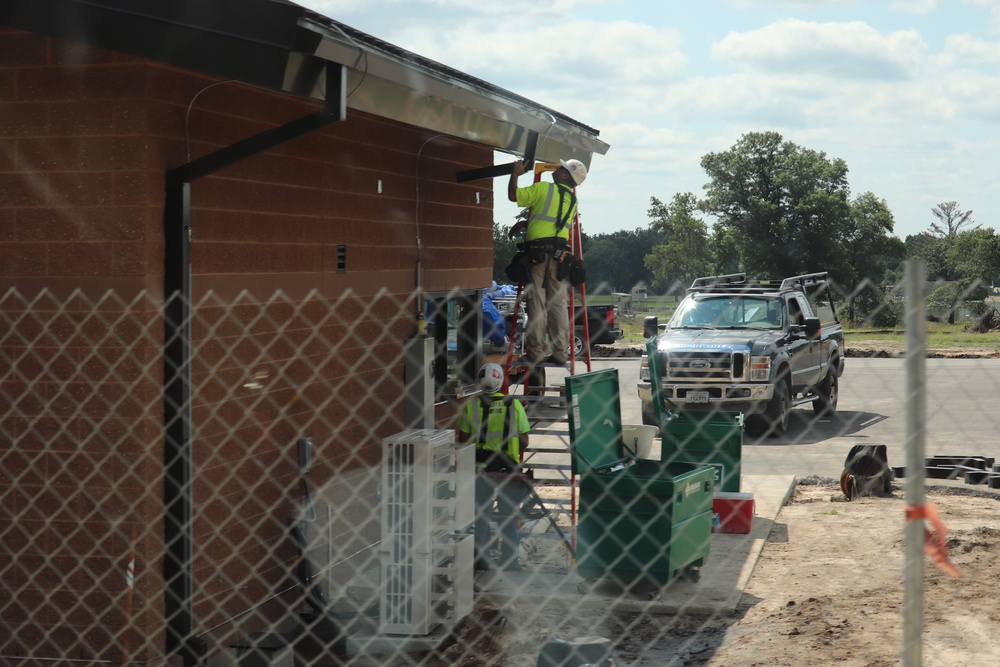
(730, 563)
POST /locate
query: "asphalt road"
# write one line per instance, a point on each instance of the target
(962, 415)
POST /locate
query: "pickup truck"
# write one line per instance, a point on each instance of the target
(600, 326)
(759, 347)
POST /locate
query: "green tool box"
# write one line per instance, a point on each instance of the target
(713, 437)
(639, 520)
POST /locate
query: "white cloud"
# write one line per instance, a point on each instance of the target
(790, 4)
(918, 7)
(851, 50)
(382, 17)
(993, 6)
(966, 50)
(577, 51)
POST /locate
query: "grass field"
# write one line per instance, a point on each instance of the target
(938, 336)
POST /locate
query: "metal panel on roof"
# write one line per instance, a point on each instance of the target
(394, 83)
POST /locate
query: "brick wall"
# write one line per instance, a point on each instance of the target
(85, 139)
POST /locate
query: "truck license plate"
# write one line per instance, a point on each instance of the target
(697, 397)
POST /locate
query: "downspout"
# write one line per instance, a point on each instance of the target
(177, 389)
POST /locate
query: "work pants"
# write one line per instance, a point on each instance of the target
(508, 492)
(548, 313)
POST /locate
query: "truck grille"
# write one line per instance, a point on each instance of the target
(698, 365)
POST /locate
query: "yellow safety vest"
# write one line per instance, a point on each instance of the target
(550, 204)
(493, 423)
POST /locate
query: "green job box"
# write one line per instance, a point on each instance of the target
(639, 520)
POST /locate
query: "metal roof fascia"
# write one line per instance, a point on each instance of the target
(389, 86)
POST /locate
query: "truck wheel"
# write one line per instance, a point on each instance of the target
(777, 411)
(828, 392)
(577, 343)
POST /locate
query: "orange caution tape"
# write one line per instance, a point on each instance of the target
(934, 543)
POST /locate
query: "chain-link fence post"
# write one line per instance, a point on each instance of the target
(916, 416)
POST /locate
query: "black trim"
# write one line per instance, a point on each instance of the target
(247, 40)
(177, 383)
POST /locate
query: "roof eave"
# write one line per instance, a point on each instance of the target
(407, 88)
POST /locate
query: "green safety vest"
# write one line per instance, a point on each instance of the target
(552, 207)
(495, 430)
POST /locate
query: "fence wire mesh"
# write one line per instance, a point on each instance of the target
(332, 508)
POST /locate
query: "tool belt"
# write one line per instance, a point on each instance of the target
(539, 250)
(496, 461)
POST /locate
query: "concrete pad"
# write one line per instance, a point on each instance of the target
(730, 563)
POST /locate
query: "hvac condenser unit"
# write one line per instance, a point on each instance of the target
(428, 507)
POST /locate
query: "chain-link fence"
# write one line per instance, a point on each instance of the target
(325, 510)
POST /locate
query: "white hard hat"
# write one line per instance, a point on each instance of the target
(491, 378)
(576, 169)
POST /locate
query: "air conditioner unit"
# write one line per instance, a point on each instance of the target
(426, 554)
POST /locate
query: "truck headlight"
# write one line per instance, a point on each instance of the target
(760, 369)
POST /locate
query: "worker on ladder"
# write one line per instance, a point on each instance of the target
(499, 426)
(552, 209)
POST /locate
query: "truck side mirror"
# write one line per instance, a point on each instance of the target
(650, 326)
(813, 328)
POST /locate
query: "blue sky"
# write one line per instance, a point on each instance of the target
(906, 92)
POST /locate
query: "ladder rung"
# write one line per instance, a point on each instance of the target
(520, 363)
(553, 402)
(547, 412)
(545, 466)
(547, 450)
(538, 396)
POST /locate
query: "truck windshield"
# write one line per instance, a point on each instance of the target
(728, 312)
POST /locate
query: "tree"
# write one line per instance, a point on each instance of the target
(950, 220)
(725, 250)
(936, 247)
(870, 248)
(975, 254)
(503, 250)
(933, 250)
(614, 261)
(686, 253)
(785, 206)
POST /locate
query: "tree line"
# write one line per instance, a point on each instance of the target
(776, 210)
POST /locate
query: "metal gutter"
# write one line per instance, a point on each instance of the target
(178, 490)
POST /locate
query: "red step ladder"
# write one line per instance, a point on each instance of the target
(542, 411)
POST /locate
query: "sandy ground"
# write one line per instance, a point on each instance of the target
(827, 589)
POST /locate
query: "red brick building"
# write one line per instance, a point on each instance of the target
(274, 152)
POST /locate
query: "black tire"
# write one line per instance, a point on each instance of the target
(779, 410)
(828, 392)
(577, 344)
(774, 421)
